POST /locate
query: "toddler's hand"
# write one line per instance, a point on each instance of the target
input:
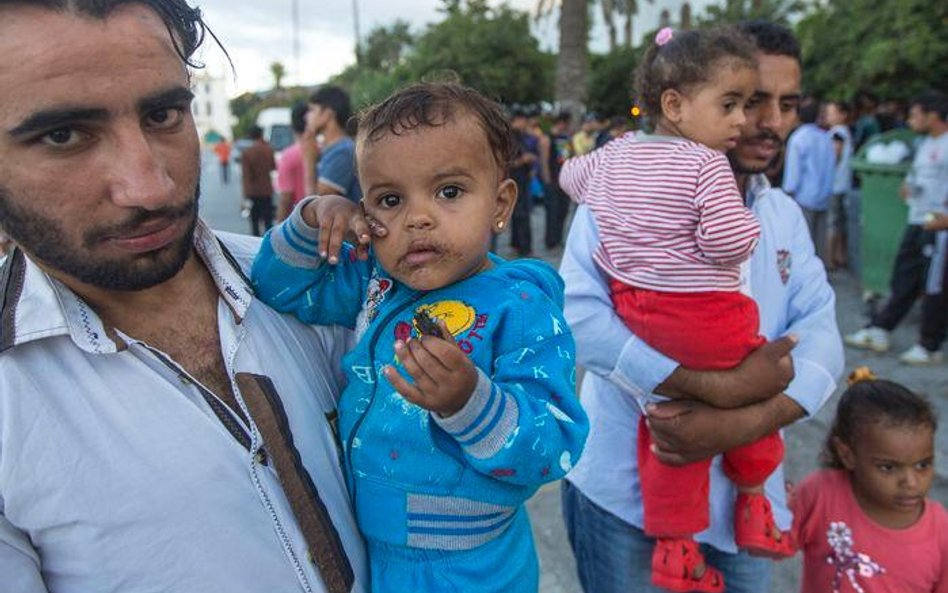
(444, 377)
(338, 218)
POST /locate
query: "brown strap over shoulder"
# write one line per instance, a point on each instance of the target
(325, 546)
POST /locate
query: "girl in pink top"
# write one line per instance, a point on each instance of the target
(674, 232)
(864, 523)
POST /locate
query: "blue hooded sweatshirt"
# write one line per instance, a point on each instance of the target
(440, 500)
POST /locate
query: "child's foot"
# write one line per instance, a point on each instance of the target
(678, 565)
(755, 530)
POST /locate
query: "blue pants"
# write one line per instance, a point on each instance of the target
(615, 557)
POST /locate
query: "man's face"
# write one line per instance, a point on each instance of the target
(919, 120)
(770, 114)
(318, 117)
(99, 161)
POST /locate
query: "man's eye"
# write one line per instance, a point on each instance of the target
(450, 192)
(389, 201)
(62, 137)
(165, 118)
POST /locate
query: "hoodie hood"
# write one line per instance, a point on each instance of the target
(535, 271)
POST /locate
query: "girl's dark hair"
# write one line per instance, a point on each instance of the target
(688, 59)
(433, 104)
(875, 401)
(183, 21)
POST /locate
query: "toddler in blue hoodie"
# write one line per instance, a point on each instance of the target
(460, 399)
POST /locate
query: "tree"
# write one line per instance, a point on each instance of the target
(733, 11)
(488, 48)
(572, 64)
(894, 49)
(385, 47)
(278, 71)
(611, 81)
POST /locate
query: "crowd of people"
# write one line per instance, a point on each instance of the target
(364, 399)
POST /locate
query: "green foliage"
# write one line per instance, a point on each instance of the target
(385, 47)
(893, 48)
(734, 11)
(490, 49)
(611, 81)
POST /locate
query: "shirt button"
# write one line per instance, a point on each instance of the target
(260, 457)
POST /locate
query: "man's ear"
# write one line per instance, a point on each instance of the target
(671, 102)
(503, 207)
(845, 453)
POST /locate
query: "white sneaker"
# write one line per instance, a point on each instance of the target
(870, 338)
(917, 355)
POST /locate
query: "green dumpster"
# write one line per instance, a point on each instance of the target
(883, 211)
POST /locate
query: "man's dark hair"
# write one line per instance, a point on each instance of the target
(932, 101)
(843, 106)
(336, 99)
(865, 102)
(809, 110)
(433, 104)
(298, 116)
(772, 39)
(184, 22)
(687, 59)
(255, 133)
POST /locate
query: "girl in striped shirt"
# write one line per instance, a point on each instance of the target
(674, 233)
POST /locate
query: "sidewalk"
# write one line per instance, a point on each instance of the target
(804, 440)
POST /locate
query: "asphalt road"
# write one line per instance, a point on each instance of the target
(220, 207)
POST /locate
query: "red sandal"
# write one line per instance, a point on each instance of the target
(673, 563)
(754, 528)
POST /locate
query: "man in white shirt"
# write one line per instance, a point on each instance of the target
(160, 428)
(919, 268)
(601, 496)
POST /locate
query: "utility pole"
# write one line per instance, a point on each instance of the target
(296, 42)
(358, 33)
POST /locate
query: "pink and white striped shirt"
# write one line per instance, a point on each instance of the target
(669, 213)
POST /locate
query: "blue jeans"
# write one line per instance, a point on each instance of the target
(615, 557)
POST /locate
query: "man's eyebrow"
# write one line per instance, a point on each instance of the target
(164, 99)
(52, 119)
(792, 97)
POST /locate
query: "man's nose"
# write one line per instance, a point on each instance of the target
(139, 177)
(769, 118)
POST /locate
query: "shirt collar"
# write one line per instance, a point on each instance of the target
(33, 305)
(757, 186)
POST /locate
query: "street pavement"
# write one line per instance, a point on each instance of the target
(220, 206)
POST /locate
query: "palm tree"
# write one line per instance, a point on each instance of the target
(572, 65)
(278, 71)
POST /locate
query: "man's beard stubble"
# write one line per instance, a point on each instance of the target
(45, 241)
(741, 169)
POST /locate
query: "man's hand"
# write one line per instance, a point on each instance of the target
(764, 373)
(338, 218)
(688, 431)
(444, 377)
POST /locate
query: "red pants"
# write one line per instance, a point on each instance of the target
(702, 331)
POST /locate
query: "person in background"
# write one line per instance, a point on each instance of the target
(522, 168)
(603, 514)
(836, 118)
(614, 127)
(557, 202)
(865, 523)
(584, 140)
(920, 264)
(291, 170)
(809, 168)
(867, 124)
(328, 116)
(256, 163)
(160, 428)
(222, 150)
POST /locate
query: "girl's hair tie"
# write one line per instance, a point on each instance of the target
(860, 374)
(664, 35)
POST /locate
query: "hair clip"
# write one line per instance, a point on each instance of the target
(859, 375)
(664, 35)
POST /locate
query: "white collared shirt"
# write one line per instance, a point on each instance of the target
(789, 284)
(116, 474)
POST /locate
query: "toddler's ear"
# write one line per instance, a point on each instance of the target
(671, 101)
(845, 453)
(504, 205)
